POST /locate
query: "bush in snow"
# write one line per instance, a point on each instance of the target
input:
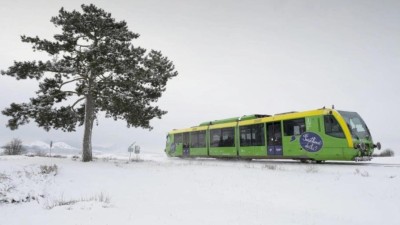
(25, 185)
(44, 169)
(311, 169)
(361, 173)
(59, 156)
(14, 147)
(40, 153)
(96, 198)
(270, 167)
(387, 153)
(4, 186)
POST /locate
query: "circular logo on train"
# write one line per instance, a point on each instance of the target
(311, 142)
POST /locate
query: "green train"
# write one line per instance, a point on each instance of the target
(315, 135)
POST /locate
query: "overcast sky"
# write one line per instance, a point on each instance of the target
(234, 58)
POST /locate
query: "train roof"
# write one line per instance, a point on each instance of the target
(234, 119)
(254, 119)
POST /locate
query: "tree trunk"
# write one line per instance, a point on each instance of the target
(87, 136)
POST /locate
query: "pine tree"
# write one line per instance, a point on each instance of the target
(109, 73)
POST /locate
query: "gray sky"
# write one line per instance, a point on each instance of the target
(234, 58)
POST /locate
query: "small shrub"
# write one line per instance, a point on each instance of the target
(14, 147)
(311, 169)
(249, 165)
(108, 158)
(137, 159)
(100, 198)
(59, 156)
(40, 153)
(364, 174)
(62, 202)
(361, 173)
(387, 153)
(29, 155)
(44, 169)
(3, 177)
(270, 167)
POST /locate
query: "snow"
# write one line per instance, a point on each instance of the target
(161, 190)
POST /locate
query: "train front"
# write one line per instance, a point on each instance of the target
(360, 135)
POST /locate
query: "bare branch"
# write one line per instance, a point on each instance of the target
(83, 46)
(77, 101)
(70, 81)
(71, 92)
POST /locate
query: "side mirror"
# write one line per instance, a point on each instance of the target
(378, 145)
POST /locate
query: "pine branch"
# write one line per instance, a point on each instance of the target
(24, 70)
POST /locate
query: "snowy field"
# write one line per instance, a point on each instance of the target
(160, 190)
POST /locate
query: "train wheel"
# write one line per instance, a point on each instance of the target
(320, 161)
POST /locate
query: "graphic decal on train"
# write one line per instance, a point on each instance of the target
(311, 142)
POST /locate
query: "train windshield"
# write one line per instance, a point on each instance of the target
(356, 125)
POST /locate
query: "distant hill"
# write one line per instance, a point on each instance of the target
(63, 148)
(57, 148)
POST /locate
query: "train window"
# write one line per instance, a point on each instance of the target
(228, 137)
(177, 138)
(294, 127)
(332, 127)
(252, 135)
(222, 137)
(202, 139)
(245, 136)
(198, 139)
(215, 137)
(194, 139)
(186, 140)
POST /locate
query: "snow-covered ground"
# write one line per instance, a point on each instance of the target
(161, 190)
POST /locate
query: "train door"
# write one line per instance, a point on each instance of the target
(186, 144)
(274, 138)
